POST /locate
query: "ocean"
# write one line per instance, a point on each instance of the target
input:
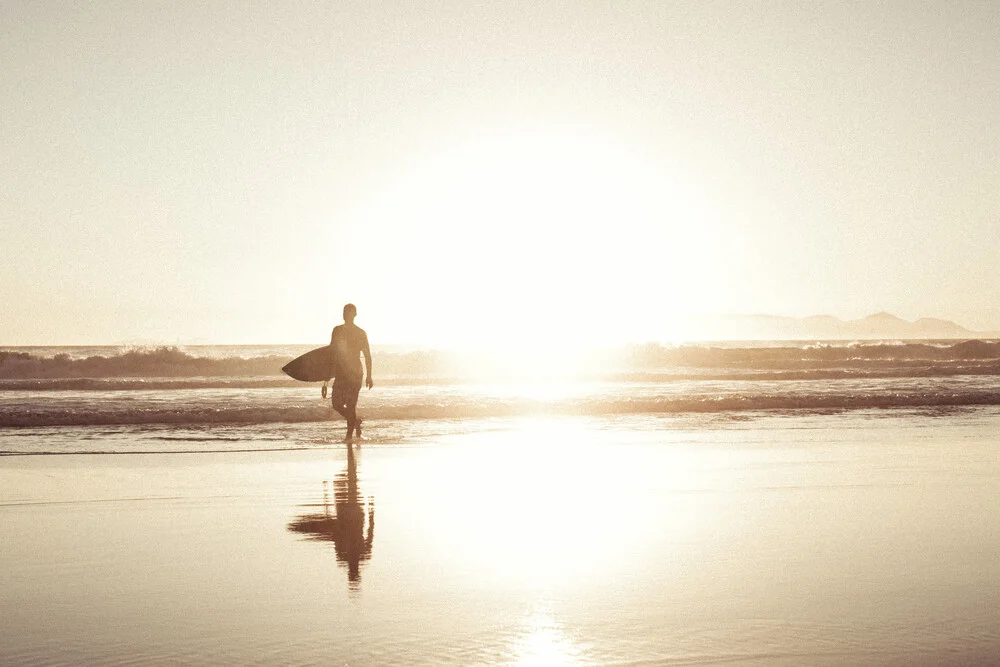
(62, 400)
(749, 504)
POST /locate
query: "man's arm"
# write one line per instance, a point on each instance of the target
(326, 383)
(368, 362)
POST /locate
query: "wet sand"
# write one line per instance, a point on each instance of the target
(833, 540)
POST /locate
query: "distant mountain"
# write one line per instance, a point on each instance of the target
(824, 327)
(884, 325)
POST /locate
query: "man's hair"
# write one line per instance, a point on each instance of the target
(350, 308)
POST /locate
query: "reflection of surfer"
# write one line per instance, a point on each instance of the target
(353, 546)
(349, 342)
(346, 529)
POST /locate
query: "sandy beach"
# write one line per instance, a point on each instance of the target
(824, 540)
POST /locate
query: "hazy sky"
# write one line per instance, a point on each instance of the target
(235, 172)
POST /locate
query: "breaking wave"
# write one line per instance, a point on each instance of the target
(629, 400)
(225, 385)
(816, 355)
(162, 362)
(173, 367)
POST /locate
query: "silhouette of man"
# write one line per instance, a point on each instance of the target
(349, 342)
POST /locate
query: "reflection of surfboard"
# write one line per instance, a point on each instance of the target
(313, 366)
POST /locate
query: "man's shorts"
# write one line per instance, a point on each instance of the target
(345, 392)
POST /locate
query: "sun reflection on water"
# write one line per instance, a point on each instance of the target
(543, 643)
(548, 503)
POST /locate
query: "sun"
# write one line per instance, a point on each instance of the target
(542, 237)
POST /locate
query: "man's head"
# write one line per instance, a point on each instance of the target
(350, 312)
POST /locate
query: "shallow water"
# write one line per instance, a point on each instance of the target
(854, 538)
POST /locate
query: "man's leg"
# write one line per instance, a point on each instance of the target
(354, 407)
(353, 423)
(339, 406)
(341, 402)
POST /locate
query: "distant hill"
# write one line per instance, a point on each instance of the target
(824, 327)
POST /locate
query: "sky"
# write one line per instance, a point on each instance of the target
(508, 173)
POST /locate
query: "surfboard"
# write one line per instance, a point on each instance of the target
(313, 366)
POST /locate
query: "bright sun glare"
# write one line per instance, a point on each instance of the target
(583, 237)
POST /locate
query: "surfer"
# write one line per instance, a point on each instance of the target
(349, 342)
